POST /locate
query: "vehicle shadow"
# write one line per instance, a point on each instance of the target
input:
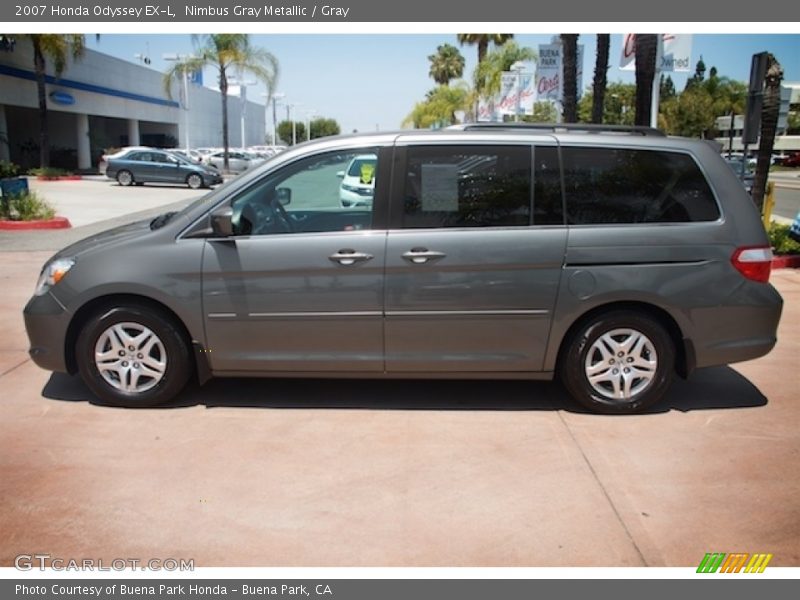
(713, 388)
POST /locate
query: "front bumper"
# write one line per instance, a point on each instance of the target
(47, 323)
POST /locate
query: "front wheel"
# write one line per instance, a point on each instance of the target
(194, 181)
(133, 356)
(619, 362)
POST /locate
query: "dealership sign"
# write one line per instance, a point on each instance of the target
(64, 98)
(675, 53)
(550, 74)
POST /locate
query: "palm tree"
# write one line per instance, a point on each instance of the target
(446, 64)
(56, 48)
(600, 77)
(489, 73)
(569, 46)
(482, 41)
(231, 55)
(645, 45)
(769, 125)
(440, 106)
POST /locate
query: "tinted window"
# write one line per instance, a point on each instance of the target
(613, 185)
(548, 207)
(467, 186)
(307, 196)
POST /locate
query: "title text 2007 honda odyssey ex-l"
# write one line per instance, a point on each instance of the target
(613, 259)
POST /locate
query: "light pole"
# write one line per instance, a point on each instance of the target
(289, 108)
(243, 98)
(275, 98)
(518, 67)
(309, 114)
(180, 58)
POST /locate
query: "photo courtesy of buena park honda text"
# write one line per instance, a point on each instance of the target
(363, 300)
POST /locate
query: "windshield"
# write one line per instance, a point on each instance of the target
(362, 168)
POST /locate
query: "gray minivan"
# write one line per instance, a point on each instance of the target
(611, 257)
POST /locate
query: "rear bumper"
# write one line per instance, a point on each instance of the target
(738, 332)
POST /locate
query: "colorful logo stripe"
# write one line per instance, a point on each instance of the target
(733, 563)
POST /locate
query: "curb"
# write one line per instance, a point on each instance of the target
(790, 261)
(59, 178)
(54, 223)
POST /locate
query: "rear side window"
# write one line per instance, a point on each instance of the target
(617, 185)
(467, 186)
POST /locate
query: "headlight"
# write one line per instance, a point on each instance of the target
(349, 188)
(52, 273)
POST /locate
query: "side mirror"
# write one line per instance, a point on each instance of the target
(340, 174)
(284, 195)
(222, 221)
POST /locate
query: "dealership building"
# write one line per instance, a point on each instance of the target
(102, 102)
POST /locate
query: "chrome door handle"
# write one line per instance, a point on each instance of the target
(420, 256)
(349, 257)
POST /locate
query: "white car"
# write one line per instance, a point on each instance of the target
(358, 181)
(238, 160)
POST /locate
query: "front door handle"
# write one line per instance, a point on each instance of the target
(349, 257)
(420, 256)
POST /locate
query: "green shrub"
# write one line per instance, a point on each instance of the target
(8, 169)
(48, 172)
(25, 207)
(780, 241)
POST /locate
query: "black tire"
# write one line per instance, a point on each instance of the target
(174, 352)
(653, 344)
(125, 178)
(194, 181)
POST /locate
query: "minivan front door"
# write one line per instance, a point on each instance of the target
(299, 286)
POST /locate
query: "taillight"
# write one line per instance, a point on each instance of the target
(754, 263)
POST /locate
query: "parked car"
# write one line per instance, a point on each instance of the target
(149, 165)
(612, 262)
(793, 160)
(747, 177)
(238, 160)
(102, 164)
(189, 154)
(358, 181)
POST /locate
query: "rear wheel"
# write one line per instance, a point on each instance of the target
(194, 181)
(133, 355)
(619, 362)
(125, 178)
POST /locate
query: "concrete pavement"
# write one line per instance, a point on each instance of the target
(259, 472)
(336, 473)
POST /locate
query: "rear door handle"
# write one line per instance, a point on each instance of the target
(420, 256)
(349, 257)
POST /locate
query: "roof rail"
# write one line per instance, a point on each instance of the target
(565, 127)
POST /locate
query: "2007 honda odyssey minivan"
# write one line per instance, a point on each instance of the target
(613, 258)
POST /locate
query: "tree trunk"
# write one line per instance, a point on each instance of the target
(483, 48)
(44, 136)
(600, 77)
(569, 48)
(223, 92)
(769, 125)
(645, 73)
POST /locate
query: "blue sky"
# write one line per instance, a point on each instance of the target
(368, 82)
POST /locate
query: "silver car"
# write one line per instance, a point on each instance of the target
(610, 261)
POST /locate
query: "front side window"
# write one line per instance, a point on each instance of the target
(315, 194)
(467, 186)
(620, 185)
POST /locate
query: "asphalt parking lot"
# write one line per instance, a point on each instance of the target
(248, 472)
